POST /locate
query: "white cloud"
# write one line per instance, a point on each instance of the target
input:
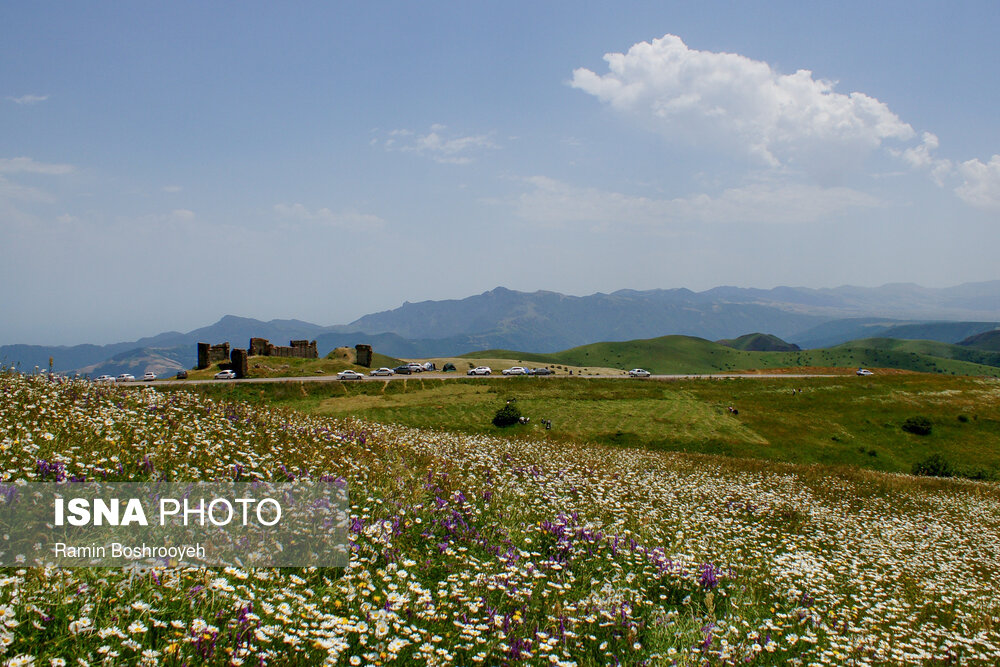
(440, 145)
(28, 99)
(729, 100)
(324, 216)
(981, 186)
(554, 202)
(16, 165)
(172, 188)
(14, 192)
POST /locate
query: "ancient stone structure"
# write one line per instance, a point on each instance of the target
(238, 362)
(364, 355)
(209, 354)
(296, 348)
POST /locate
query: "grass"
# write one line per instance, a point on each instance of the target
(843, 421)
(686, 354)
(266, 367)
(474, 549)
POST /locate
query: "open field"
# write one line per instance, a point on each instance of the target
(479, 549)
(844, 420)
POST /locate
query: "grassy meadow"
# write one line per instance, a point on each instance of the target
(844, 420)
(493, 549)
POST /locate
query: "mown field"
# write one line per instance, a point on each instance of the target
(845, 420)
(484, 549)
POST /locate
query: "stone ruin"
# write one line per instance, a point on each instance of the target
(209, 354)
(364, 355)
(237, 359)
(297, 348)
(239, 364)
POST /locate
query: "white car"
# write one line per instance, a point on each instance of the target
(126, 377)
(104, 378)
(225, 375)
(515, 370)
(149, 376)
(480, 370)
(638, 373)
(863, 371)
(415, 367)
(349, 375)
(382, 371)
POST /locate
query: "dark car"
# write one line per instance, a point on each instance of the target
(182, 375)
(403, 370)
(541, 371)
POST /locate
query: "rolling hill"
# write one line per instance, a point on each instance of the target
(758, 342)
(988, 340)
(686, 354)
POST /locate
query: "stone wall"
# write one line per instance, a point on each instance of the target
(303, 349)
(239, 362)
(364, 357)
(209, 354)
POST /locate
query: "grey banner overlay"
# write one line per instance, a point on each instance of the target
(152, 524)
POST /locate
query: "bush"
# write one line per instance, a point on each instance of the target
(917, 425)
(934, 465)
(508, 415)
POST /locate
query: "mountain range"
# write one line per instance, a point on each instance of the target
(546, 321)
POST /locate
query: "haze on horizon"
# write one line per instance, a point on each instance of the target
(161, 166)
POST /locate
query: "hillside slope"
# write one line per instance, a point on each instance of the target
(686, 354)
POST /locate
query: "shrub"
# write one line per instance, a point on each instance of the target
(508, 415)
(934, 465)
(917, 425)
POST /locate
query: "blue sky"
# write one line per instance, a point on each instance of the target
(163, 165)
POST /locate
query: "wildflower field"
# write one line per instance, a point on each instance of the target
(476, 549)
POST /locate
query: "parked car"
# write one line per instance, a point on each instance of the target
(415, 367)
(515, 370)
(402, 370)
(350, 375)
(225, 375)
(541, 371)
(149, 376)
(638, 373)
(182, 375)
(382, 371)
(126, 377)
(864, 371)
(480, 370)
(104, 378)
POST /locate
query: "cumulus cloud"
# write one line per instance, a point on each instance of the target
(16, 165)
(327, 217)
(440, 145)
(554, 202)
(731, 101)
(27, 100)
(981, 186)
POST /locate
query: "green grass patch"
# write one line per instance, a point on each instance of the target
(844, 421)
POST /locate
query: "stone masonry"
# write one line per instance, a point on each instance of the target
(296, 348)
(209, 354)
(239, 362)
(364, 355)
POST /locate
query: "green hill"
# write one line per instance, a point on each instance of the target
(988, 340)
(759, 342)
(686, 354)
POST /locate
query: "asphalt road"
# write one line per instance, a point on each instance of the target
(487, 378)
